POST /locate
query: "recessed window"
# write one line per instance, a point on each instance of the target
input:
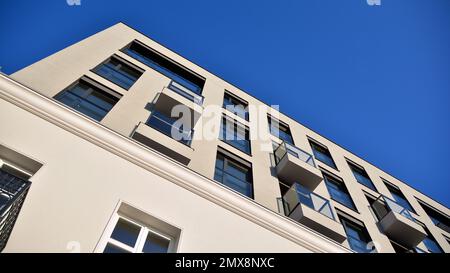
(338, 191)
(88, 98)
(234, 173)
(438, 218)
(119, 72)
(182, 76)
(430, 242)
(398, 196)
(168, 126)
(361, 176)
(235, 134)
(357, 235)
(235, 105)
(13, 190)
(322, 154)
(280, 130)
(131, 237)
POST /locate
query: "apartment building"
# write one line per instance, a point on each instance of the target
(92, 159)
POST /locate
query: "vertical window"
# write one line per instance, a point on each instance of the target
(235, 105)
(89, 99)
(280, 130)
(187, 80)
(234, 173)
(357, 235)
(398, 196)
(322, 154)
(438, 218)
(361, 176)
(430, 242)
(235, 134)
(13, 190)
(131, 237)
(338, 191)
(119, 72)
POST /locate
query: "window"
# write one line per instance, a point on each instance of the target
(13, 190)
(234, 173)
(235, 105)
(430, 243)
(89, 98)
(131, 237)
(163, 65)
(167, 126)
(119, 72)
(357, 235)
(280, 130)
(438, 218)
(235, 134)
(338, 191)
(361, 176)
(399, 197)
(322, 154)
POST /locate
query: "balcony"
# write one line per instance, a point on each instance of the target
(176, 94)
(294, 164)
(312, 210)
(397, 222)
(13, 191)
(162, 135)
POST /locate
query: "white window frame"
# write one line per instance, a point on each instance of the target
(141, 239)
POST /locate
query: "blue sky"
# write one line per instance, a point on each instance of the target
(374, 79)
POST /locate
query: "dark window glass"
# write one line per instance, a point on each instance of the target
(167, 126)
(357, 236)
(338, 192)
(118, 72)
(126, 232)
(155, 244)
(430, 243)
(235, 106)
(166, 67)
(361, 176)
(399, 198)
(110, 248)
(234, 175)
(280, 130)
(322, 154)
(235, 134)
(439, 219)
(88, 99)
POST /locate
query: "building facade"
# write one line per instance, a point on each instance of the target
(118, 144)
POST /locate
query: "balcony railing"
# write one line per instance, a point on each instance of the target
(166, 126)
(284, 148)
(12, 195)
(391, 205)
(185, 92)
(115, 75)
(298, 194)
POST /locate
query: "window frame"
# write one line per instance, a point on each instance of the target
(224, 121)
(123, 62)
(354, 166)
(241, 102)
(93, 85)
(398, 192)
(286, 130)
(144, 230)
(227, 156)
(339, 182)
(313, 143)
